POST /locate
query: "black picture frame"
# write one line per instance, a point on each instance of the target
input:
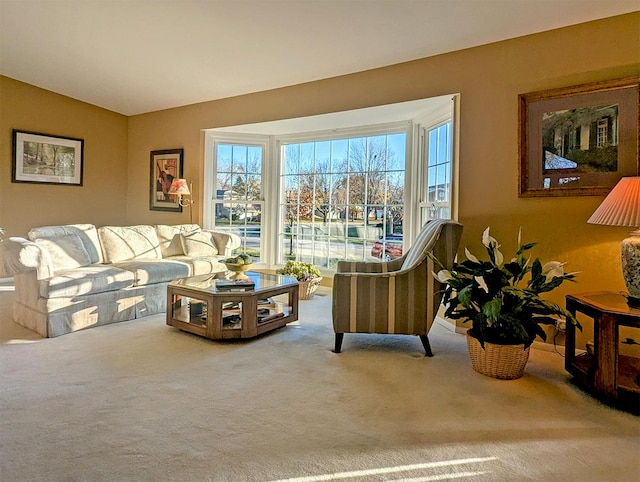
(47, 159)
(166, 165)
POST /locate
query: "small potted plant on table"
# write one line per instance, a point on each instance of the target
(307, 274)
(506, 318)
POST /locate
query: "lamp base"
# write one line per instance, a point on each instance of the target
(631, 267)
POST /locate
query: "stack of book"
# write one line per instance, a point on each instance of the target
(235, 284)
(265, 315)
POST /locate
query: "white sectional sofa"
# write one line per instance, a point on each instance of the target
(72, 277)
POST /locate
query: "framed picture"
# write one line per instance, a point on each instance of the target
(165, 167)
(46, 159)
(579, 140)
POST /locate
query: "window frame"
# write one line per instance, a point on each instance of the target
(425, 124)
(212, 141)
(405, 127)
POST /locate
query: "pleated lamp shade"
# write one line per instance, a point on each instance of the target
(622, 208)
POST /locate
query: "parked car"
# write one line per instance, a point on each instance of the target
(387, 247)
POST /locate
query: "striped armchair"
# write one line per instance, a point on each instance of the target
(399, 296)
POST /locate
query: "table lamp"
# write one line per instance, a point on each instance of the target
(180, 188)
(621, 207)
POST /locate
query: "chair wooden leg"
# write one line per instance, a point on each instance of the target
(338, 347)
(427, 346)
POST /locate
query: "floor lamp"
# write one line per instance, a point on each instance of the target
(180, 188)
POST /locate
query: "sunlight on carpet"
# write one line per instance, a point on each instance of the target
(397, 469)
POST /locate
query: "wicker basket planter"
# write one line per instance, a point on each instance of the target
(506, 362)
(308, 288)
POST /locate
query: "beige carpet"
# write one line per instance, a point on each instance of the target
(144, 401)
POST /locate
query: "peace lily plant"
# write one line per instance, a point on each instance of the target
(504, 308)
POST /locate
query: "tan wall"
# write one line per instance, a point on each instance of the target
(102, 199)
(489, 79)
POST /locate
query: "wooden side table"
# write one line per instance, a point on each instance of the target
(608, 374)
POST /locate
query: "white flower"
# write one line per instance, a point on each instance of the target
(520, 237)
(499, 257)
(492, 244)
(480, 280)
(443, 276)
(553, 269)
(470, 257)
(489, 241)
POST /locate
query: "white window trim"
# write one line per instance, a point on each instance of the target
(211, 142)
(405, 127)
(433, 120)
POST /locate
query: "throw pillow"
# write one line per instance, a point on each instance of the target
(169, 237)
(198, 244)
(66, 252)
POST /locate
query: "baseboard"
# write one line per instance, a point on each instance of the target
(446, 325)
(544, 346)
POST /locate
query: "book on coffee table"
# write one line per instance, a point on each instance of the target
(235, 284)
(264, 317)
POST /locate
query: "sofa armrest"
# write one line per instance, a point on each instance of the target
(19, 255)
(225, 242)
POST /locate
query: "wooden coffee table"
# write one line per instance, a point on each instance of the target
(195, 305)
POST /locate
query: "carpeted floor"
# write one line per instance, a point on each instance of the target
(141, 401)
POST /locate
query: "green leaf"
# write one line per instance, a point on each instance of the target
(545, 320)
(525, 247)
(536, 269)
(491, 309)
(464, 296)
(514, 268)
(540, 332)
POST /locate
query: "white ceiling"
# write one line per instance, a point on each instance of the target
(137, 56)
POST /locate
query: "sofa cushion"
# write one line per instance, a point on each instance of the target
(198, 244)
(123, 243)
(97, 278)
(202, 265)
(169, 237)
(86, 232)
(226, 242)
(66, 252)
(150, 271)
